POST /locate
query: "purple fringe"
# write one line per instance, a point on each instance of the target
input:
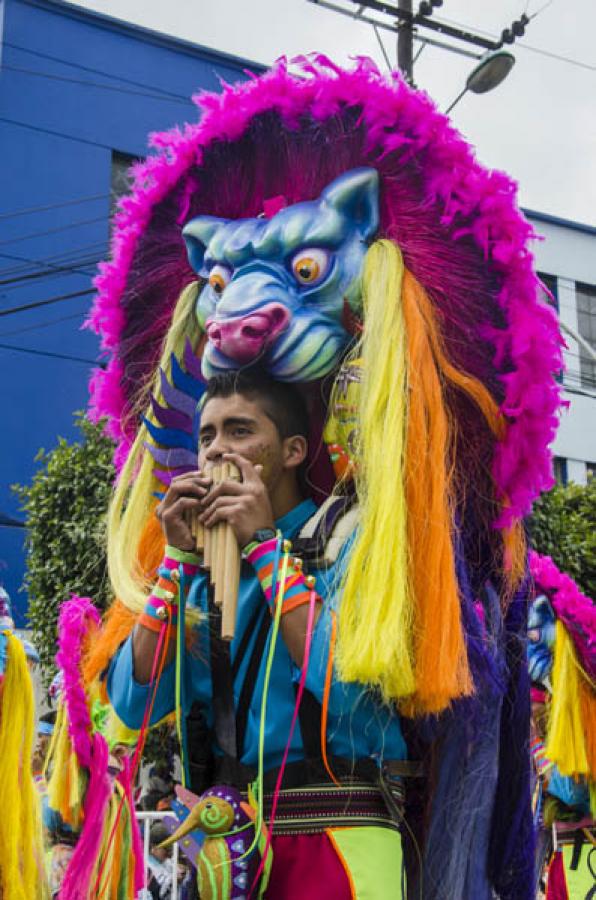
(476, 830)
(512, 840)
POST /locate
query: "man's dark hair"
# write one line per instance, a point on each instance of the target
(49, 718)
(280, 401)
(150, 800)
(158, 834)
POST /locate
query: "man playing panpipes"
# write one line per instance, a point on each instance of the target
(336, 838)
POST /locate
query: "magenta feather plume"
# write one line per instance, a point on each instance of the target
(76, 884)
(76, 617)
(457, 223)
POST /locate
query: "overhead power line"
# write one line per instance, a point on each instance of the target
(69, 137)
(50, 272)
(75, 263)
(36, 234)
(83, 68)
(559, 57)
(48, 353)
(538, 11)
(38, 209)
(55, 259)
(50, 300)
(522, 45)
(41, 325)
(489, 39)
(96, 84)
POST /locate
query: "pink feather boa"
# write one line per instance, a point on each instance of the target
(91, 748)
(471, 201)
(76, 617)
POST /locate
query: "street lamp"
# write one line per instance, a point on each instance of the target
(488, 74)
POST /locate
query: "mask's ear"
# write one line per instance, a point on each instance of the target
(356, 195)
(543, 608)
(197, 233)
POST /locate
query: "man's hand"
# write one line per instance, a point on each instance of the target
(245, 504)
(183, 498)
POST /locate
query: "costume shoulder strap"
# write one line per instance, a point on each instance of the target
(322, 537)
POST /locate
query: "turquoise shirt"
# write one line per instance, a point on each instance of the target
(359, 725)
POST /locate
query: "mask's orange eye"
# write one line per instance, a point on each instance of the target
(219, 277)
(310, 266)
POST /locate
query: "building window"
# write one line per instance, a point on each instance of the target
(586, 323)
(560, 469)
(590, 470)
(120, 182)
(550, 283)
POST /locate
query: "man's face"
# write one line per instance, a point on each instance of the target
(40, 751)
(160, 853)
(236, 424)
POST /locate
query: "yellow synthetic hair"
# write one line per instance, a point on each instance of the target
(573, 711)
(67, 781)
(133, 501)
(376, 617)
(22, 874)
(400, 622)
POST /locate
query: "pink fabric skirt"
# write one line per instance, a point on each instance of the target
(306, 865)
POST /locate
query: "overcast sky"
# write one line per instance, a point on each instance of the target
(539, 125)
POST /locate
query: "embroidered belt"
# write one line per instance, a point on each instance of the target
(312, 809)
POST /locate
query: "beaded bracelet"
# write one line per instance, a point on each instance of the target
(174, 558)
(162, 605)
(297, 588)
(541, 761)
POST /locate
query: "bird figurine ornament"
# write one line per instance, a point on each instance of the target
(217, 834)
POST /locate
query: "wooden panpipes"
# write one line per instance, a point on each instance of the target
(221, 556)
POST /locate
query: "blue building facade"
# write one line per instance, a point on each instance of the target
(79, 93)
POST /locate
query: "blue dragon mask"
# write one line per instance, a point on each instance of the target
(541, 639)
(276, 288)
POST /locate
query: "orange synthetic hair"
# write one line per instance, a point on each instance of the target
(151, 548)
(514, 541)
(119, 619)
(118, 623)
(442, 670)
(441, 662)
(514, 556)
(587, 700)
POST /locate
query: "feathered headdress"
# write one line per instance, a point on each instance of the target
(459, 354)
(571, 735)
(494, 343)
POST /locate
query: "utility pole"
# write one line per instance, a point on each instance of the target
(405, 40)
(398, 17)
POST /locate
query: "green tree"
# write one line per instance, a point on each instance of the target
(65, 507)
(563, 526)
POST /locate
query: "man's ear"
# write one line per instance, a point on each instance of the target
(295, 449)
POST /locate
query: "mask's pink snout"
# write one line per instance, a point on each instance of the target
(245, 338)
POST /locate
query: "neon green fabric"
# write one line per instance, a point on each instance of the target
(373, 859)
(580, 880)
